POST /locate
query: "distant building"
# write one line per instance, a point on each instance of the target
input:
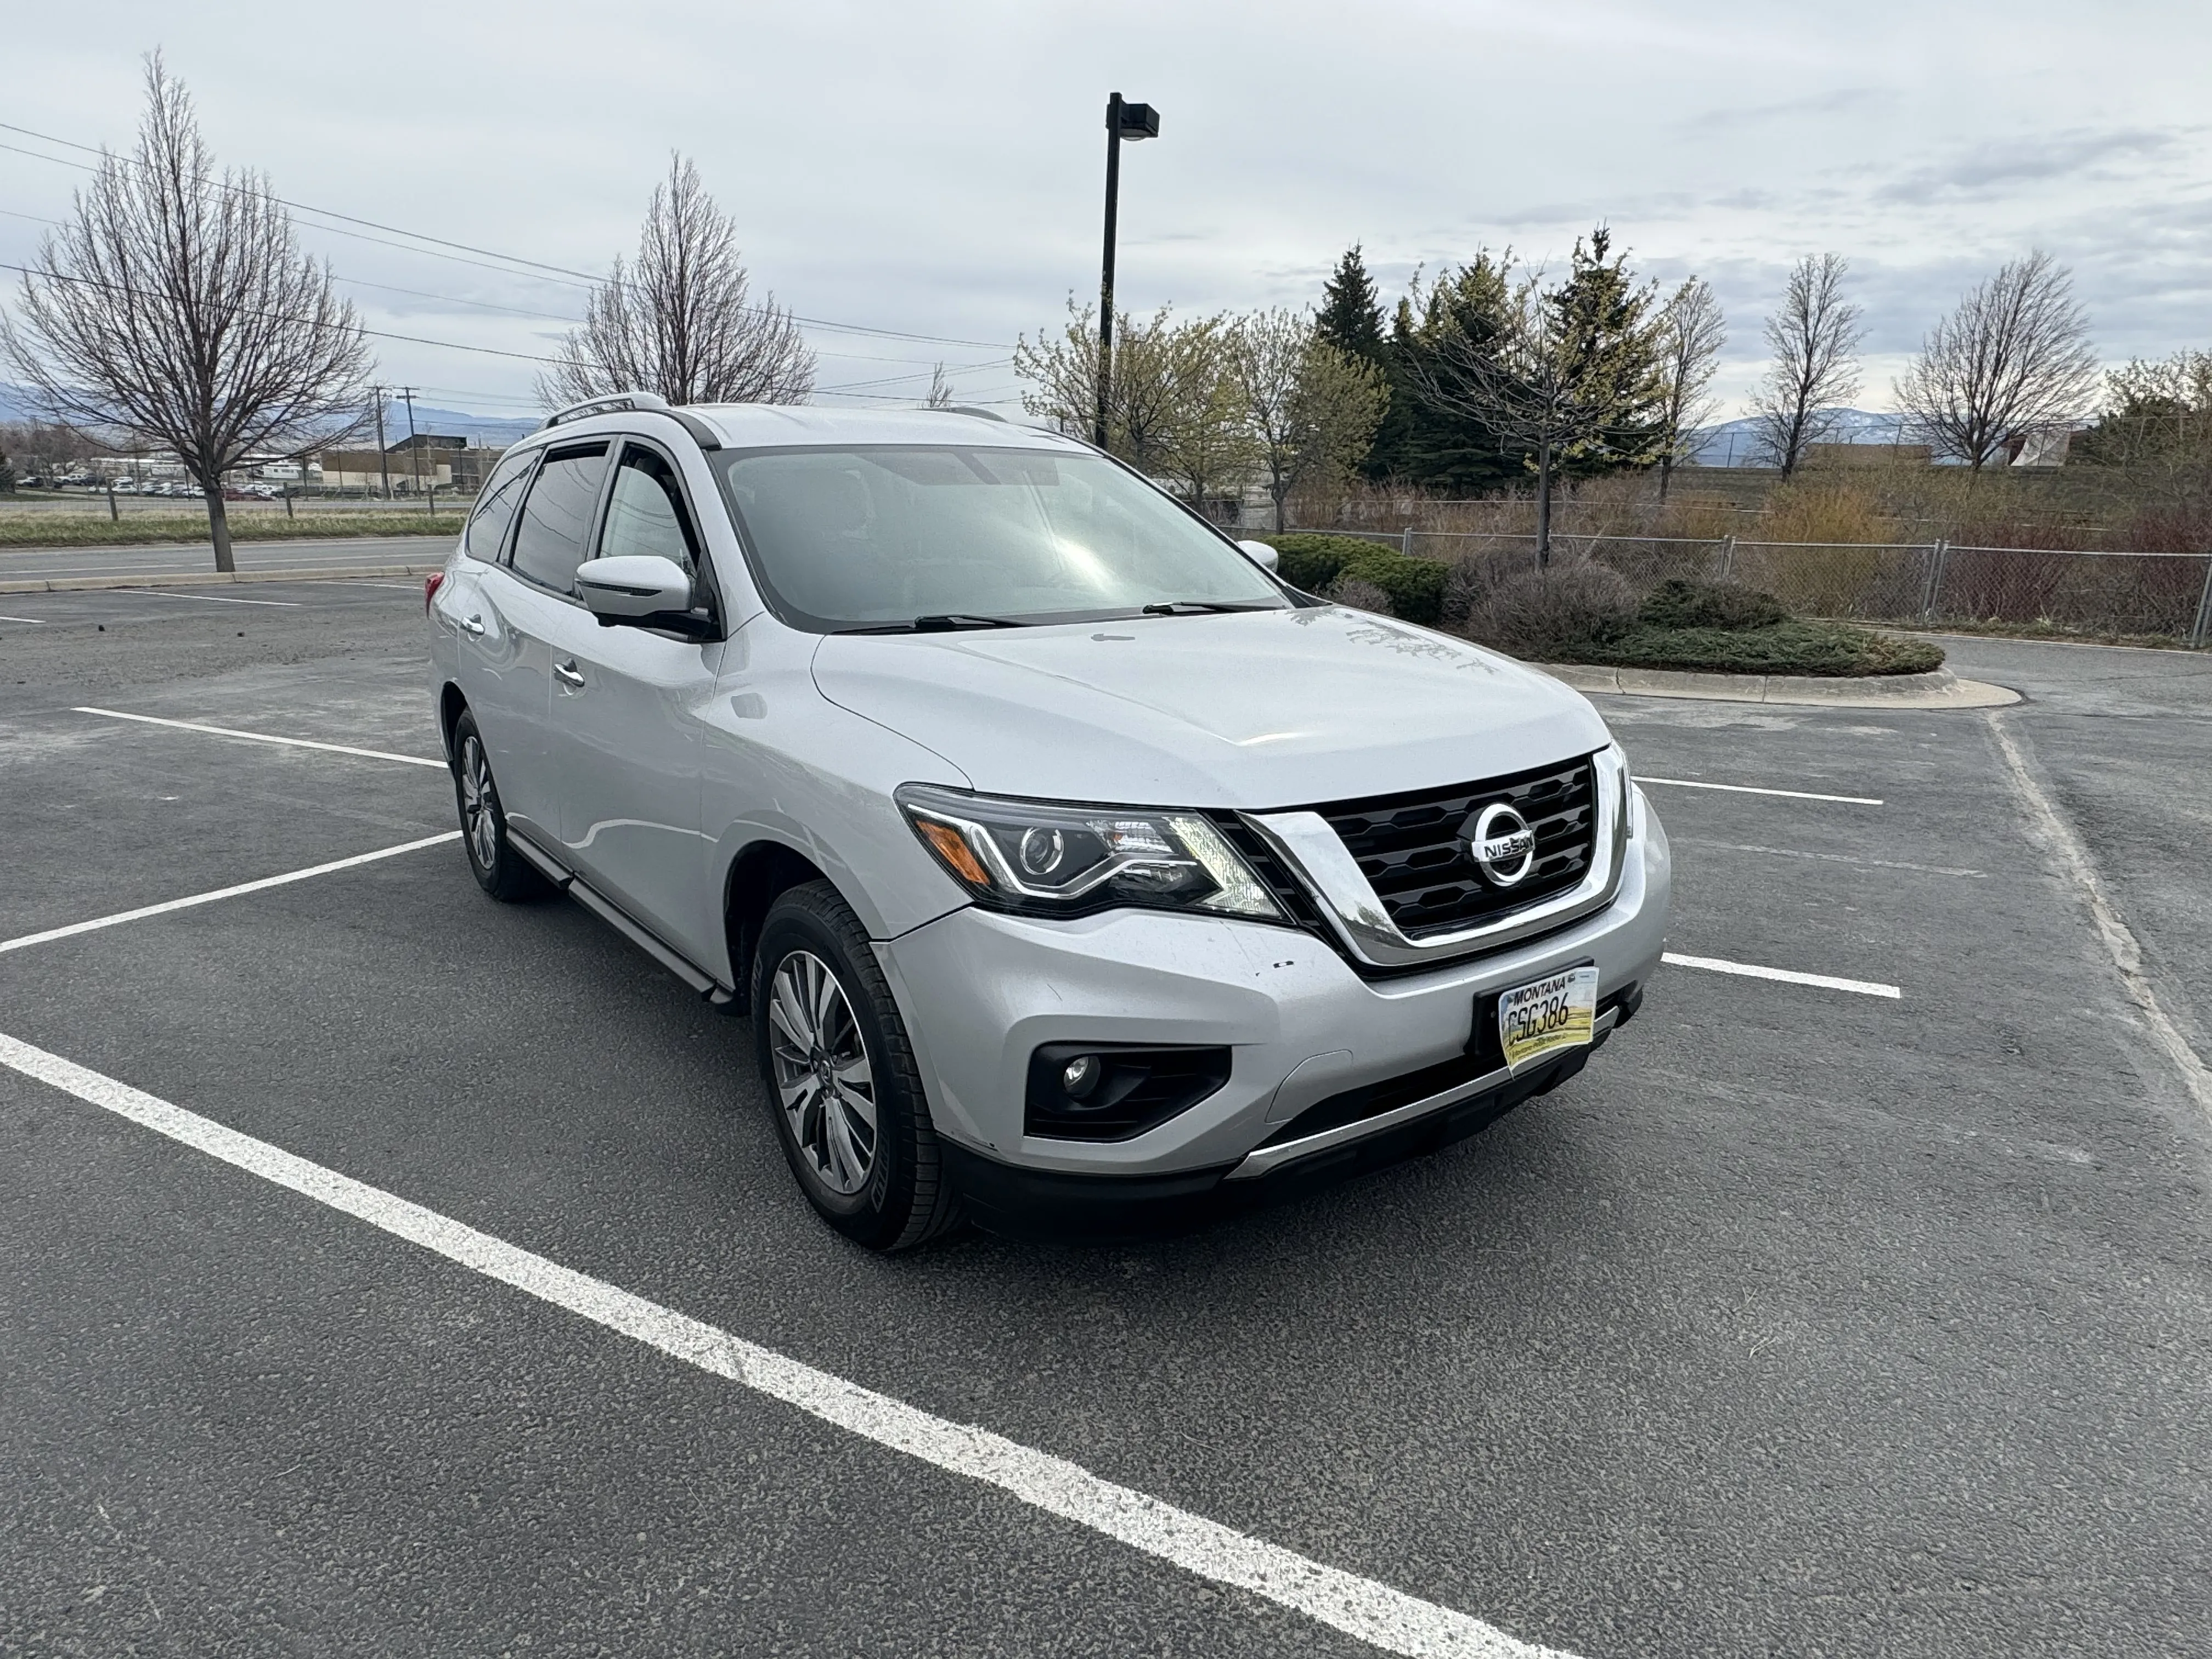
(1858, 457)
(437, 460)
(2043, 449)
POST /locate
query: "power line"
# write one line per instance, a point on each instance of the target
(486, 305)
(374, 333)
(554, 272)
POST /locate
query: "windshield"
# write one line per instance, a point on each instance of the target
(887, 537)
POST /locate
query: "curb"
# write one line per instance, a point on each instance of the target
(1938, 689)
(217, 578)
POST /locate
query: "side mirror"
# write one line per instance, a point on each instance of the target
(1261, 554)
(634, 587)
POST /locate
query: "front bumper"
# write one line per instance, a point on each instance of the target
(981, 991)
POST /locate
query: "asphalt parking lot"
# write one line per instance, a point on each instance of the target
(1807, 1321)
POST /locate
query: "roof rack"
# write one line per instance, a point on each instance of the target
(969, 409)
(649, 402)
(611, 405)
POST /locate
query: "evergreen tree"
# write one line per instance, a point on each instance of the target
(1420, 442)
(1351, 314)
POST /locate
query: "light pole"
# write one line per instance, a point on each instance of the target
(1133, 122)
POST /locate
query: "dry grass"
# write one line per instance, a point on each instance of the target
(148, 529)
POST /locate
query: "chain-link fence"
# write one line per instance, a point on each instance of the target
(2155, 595)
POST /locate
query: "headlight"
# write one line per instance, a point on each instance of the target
(1045, 859)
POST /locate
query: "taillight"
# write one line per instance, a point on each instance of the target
(431, 584)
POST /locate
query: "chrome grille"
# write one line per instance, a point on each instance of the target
(1409, 848)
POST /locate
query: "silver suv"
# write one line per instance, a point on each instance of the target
(1074, 869)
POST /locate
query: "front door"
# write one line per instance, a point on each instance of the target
(626, 731)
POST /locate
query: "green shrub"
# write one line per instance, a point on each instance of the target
(1679, 602)
(1794, 647)
(1313, 562)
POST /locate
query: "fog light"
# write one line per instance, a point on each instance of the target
(1112, 1090)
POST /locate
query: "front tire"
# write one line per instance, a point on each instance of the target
(840, 1076)
(498, 868)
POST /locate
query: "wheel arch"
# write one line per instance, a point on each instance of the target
(452, 705)
(764, 869)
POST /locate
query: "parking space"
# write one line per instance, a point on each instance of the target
(1805, 1321)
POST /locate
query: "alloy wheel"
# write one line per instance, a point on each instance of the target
(479, 803)
(823, 1079)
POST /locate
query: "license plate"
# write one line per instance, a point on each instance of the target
(1546, 1015)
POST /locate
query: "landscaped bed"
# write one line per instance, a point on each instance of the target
(1578, 611)
(1796, 647)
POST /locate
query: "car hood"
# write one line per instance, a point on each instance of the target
(1257, 709)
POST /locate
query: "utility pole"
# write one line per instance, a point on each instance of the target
(1133, 122)
(383, 463)
(413, 449)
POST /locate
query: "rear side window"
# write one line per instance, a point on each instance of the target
(496, 506)
(556, 517)
(645, 512)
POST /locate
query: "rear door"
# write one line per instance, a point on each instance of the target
(480, 659)
(625, 729)
(526, 601)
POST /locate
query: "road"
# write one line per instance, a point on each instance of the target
(190, 558)
(1803, 1322)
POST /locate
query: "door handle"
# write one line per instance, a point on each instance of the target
(568, 674)
(474, 626)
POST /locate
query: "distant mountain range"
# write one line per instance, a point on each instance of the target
(494, 431)
(1734, 443)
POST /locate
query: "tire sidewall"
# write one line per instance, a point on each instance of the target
(499, 879)
(878, 1211)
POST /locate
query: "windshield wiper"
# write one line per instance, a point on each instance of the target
(1178, 607)
(943, 622)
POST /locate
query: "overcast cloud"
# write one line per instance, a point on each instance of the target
(935, 168)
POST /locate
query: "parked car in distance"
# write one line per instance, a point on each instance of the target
(1075, 871)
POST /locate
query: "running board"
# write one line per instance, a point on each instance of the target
(567, 881)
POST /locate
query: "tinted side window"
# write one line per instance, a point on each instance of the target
(502, 493)
(645, 513)
(556, 519)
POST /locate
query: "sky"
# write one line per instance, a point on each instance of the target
(935, 169)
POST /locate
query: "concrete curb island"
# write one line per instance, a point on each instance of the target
(1938, 689)
(217, 578)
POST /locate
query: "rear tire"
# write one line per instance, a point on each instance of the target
(840, 1077)
(499, 869)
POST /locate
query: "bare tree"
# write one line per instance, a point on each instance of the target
(940, 389)
(176, 308)
(1814, 336)
(682, 322)
(1692, 333)
(1312, 407)
(1570, 373)
(2013, 360)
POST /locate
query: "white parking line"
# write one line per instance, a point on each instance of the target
(216, 599)
(261, 737)
(1364, 1608)
(167, 905)
(1865, 987)
(1834, 858)
(1747, 789)
(35, 620)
